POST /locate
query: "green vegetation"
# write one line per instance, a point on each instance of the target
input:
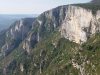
(93, 7)
(55, 55)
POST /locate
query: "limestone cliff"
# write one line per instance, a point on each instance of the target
(75, 23)
(79, 24)
(16, 34)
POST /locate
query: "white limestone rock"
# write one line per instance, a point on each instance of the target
(79, 24)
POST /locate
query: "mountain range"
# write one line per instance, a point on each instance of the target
(61, 41)
(6, 19)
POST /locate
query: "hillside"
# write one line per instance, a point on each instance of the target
(6, 19)
(57, 55)
(62, 41)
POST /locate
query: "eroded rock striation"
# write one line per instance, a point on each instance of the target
(79, 24)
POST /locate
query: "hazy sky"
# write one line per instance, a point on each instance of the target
(32, 6)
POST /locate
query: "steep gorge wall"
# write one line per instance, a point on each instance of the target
(79, 24)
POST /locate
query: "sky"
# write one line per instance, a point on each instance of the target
(32, 6)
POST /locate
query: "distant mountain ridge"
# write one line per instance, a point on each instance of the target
(7, 19)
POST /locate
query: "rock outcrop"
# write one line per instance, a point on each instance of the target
(74, 22)
(16, 34)
(79, 24)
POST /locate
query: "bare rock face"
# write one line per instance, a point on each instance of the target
(44, 24)
(21, 67)
(20, 28)
(79, 24)
(16, 34)
(74, 22)
(29, 42)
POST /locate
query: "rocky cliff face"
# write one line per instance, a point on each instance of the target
(79, 24)
(75, 23)
(15, 34)
(43, 25)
